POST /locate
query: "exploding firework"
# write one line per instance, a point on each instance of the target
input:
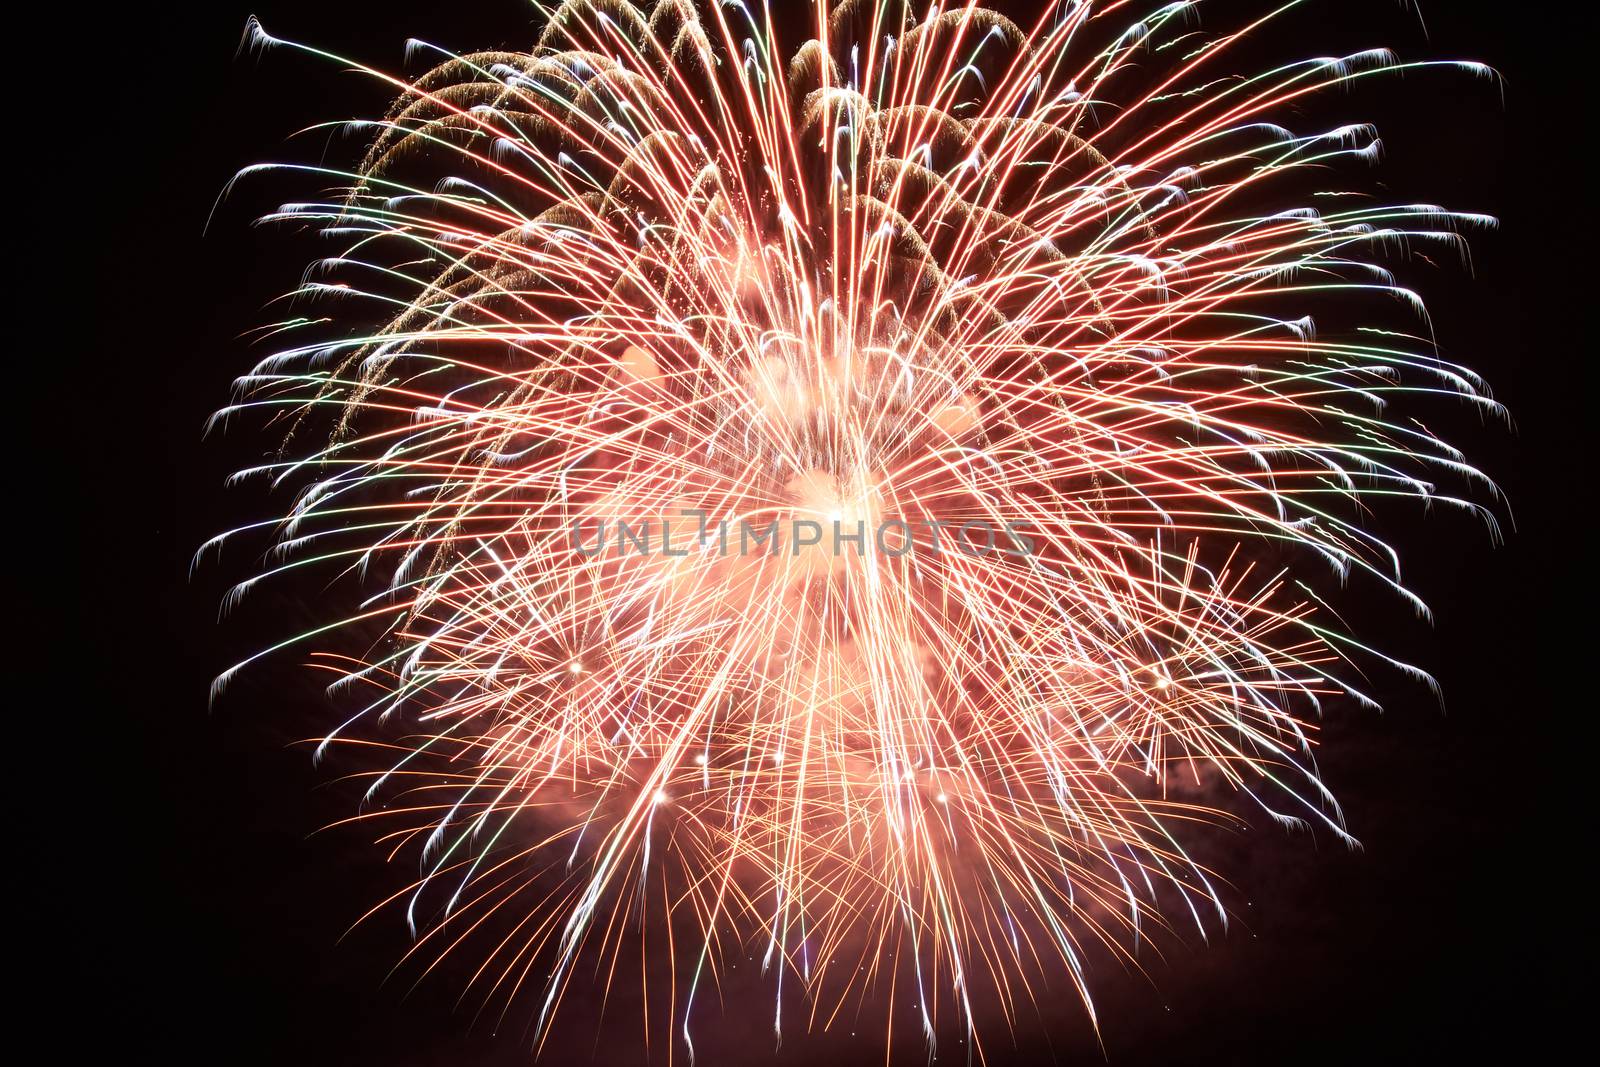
(836, 503)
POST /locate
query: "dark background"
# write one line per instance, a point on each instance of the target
(215, 910)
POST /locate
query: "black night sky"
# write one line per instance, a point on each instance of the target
(216, 908)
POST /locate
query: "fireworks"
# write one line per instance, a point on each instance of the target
(994, 338)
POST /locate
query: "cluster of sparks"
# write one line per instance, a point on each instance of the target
(930, 264)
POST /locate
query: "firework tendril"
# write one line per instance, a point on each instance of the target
(929, 269)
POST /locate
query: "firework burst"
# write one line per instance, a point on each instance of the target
(930, 272)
